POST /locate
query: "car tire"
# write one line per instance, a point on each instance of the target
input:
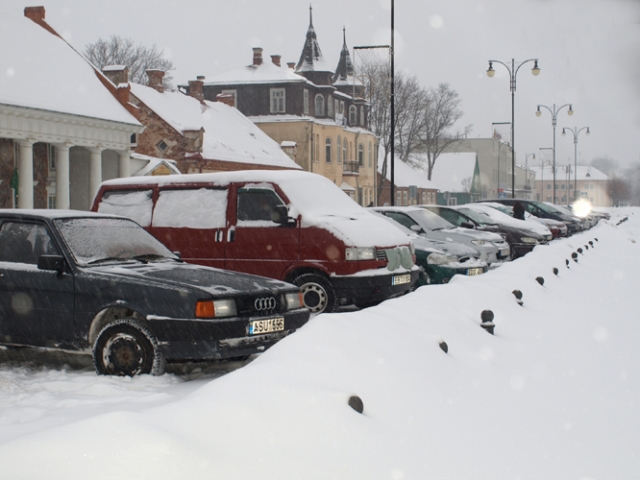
(127, 347)
(317, 293)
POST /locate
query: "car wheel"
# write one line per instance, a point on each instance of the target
(127, 347)
(317, 293)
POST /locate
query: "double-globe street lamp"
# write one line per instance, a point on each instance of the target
(575, 132)
(554, 122)
(513, 71)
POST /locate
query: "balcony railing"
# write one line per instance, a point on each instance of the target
(351, 168)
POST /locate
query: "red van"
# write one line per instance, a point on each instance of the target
(294, 226)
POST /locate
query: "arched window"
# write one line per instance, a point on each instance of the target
(361, 155)
(319, 105)
(370, 155)
(330, 108)
(339, 150)
(328, 150)
(353, 115)
(362, 116)
(345, 157)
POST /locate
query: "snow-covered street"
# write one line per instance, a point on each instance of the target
(554, 394)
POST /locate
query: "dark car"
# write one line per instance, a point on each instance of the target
(521, 241)
(543, 210)
(100, 283)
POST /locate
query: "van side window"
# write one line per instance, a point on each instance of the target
(257, 204)
(25, 242)
(191, 208)
(134, 204)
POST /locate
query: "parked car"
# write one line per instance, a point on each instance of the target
(520, 241)
(557, 228)
(87, 282)
(543, 210)
(491, 246)
(441, 260)
(294, 226)
(502, 215)
(585, 218)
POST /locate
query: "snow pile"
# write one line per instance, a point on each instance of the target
(552, 395)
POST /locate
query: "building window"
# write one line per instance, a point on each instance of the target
(305, 101)
(162, 146)
(361, 155)
(319, 105)
(345, 157)
(317, 147)
(51, 153)
(548, 199)
(277, 100)
(133, 140)
(362, 116)
(353, 112)
(452, 201)
(234, 94)
(562, 187)
(341, 108)
(51, 202)
(327, 150)
(399, 198)
(330, 108)
(548, 186)
(338, 149)
(370, 155)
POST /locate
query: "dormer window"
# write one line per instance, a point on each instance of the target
(353, 115)
(277, 100)
(319, 105)
(305, 101)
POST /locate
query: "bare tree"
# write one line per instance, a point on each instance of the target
(618, 189)
(138, 58)
(606, 165)
(441, 113)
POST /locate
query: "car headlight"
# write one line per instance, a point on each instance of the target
(216, 308)
(440, 259)
(528, 240)
(293, 300)
(360, 253)
(479, 242)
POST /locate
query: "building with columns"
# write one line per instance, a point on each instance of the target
(61, 131)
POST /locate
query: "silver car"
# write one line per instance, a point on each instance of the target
(491, 247)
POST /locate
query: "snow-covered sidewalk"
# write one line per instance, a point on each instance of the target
(554, 394)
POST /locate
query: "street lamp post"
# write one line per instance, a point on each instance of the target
(513, 71)
(543, 163)
(526, 168)
(554, 122)
(575, 132)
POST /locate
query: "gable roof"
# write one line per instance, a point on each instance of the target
(451, 169)
(228, 134)
(42, 71)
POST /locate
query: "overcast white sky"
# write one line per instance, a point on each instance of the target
(588, 50)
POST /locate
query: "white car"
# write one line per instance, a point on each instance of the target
(503, 218)
(491, 246)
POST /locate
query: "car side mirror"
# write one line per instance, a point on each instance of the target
(467, 225)
(177, 254)
(417, 228)
(51, 262)
(280, 215)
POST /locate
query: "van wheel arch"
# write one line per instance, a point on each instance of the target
(317, 290)
(107, 316)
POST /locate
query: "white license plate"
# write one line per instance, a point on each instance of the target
(474, 271)
(401, 279)
(267, 325)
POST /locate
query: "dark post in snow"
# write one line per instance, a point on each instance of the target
(487, 321)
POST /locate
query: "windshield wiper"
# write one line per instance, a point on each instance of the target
(149, 257)
(108, 259)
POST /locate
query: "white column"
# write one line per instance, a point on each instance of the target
(62, 176)
(125, 164)
(95, 172)
(25, 174)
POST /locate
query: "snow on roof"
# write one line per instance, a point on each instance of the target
(451, 169)
(405, 175)
(228, 134)
(152, 163)
(584, 172)
(266, 72)
(41, 71)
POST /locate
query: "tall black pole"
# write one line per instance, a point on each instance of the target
(393, 127)
(513, 147)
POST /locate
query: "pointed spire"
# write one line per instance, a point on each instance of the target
(311, 58)
(344, 70)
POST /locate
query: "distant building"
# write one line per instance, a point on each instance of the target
(591, 183)
(411, 186)
(319, 110)
(61, 131)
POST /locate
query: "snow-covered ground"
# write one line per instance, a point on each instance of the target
(554, 394)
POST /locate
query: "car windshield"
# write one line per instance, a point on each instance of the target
(93, 240)
(481, 218)
(546, 208)
(429, 220)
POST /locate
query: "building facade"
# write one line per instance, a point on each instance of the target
(319, 111)
(591, 185)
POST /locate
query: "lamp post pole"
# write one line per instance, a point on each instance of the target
(543, 163)
(513, 72)
(526, 168)
(554, 122)
(575, 132)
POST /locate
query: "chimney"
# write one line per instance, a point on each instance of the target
(118, 74)
(291, 65)
(155, 79)
(227, 99)
(196, 88)
(36, 15)
(276, 59)
(257, 56)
